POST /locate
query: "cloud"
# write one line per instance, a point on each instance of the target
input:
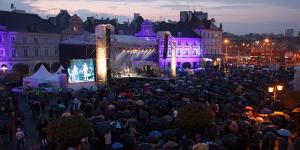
(235, 14)
(196, 7)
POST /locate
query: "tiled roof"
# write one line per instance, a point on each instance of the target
(24, 22)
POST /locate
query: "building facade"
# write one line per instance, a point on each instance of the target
(197, 39)
(29, 39)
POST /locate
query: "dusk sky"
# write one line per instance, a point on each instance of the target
(237, 16)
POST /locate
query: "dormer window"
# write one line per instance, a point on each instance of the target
(75, 29)
(179, 34)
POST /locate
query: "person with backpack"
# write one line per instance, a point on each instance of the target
(20, 137)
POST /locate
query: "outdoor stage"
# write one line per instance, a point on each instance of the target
(141, 76)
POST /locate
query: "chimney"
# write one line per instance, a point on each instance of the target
(135, 15)
(63, 11)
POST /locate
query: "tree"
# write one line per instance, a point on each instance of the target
(21, 69)
(290, 99)
(186, 65)
(38, 65)
(55, 66)
(68, 131)
(194, 117)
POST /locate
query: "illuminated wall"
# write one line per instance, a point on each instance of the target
(186, 50)
(102, 52)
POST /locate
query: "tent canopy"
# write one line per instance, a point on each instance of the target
(60, 69)
(41, 74)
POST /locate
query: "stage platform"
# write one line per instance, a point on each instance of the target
(139, 76)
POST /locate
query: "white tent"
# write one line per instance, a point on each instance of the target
(38, 77)
(60, 69)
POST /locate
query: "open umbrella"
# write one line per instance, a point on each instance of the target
(159, 90)
(168, 133)
(170, 144)
(200, 146)
(131, 120)
(284, 132)
(117, 124)
(67, 114)
(249, 108)
(296, 110)
(266, 111)
(36, 102)
(123, 94)
(270, 128)
(103, 127)
(145, 146)
(155, 134)
(139, 102)
(117, 146)
(127, 140)
(148, 93)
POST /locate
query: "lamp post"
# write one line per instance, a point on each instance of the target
(267, 41)
(226, 42)
(275, 89)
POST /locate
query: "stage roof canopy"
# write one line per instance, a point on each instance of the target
(118, 40)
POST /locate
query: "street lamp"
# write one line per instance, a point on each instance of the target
(267, 41)
(226, 42)
(3, 68)
(275, 89)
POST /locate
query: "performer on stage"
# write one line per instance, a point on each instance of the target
(85, 71)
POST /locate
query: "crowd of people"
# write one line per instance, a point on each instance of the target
(140, 114)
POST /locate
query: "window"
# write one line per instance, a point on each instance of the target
(169, 51)
(13, 39)
(179, 43)
(147, 32)
(56, 52)
(162, 42)
(35, 40)
(46, 52)
(179, 34)
(2, 53)
(24, 40)
(194, 52)
(36, 52)
(25, 52)
(178, 52)
(186, 52)
(75, 29)
(13, 53)
(1, 38)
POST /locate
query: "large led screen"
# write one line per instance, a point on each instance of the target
(81, 70)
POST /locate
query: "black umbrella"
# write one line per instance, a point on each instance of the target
(168, 133)
(145, 146)
(270, 128)
(144, 115)
(127, 140)
(103, 127)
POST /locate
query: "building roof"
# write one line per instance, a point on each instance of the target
(179, 29)
(24, 22)
(90, 24)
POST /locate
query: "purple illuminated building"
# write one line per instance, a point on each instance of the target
(198, 40)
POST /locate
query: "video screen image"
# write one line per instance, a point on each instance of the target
(81, 70)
